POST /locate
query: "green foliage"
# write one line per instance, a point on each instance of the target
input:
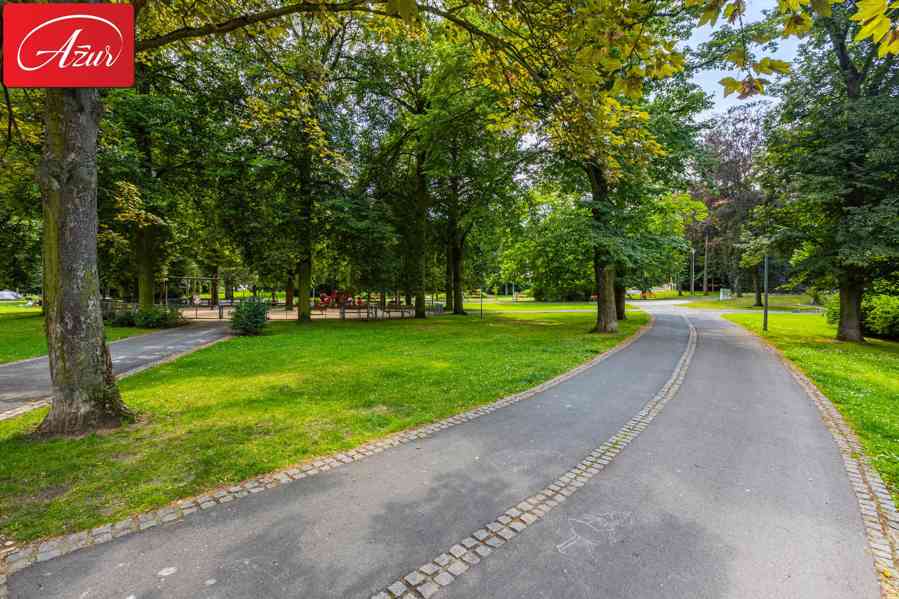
(880, 314)
(882, 318)
(122, 318)
(154, 317)
(249, 317)
(158, 317)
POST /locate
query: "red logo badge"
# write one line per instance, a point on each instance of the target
(68, 45)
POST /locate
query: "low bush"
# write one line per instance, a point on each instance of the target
(158, 317)
(249, 318)
(880, 314)
(122, 318)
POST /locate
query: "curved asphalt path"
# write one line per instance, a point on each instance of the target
(26, 381)
(735, 490)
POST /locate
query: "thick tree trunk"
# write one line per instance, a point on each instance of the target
(85, 396)
(449, 276)
(620, 301)
(850, 326)
(606, 313)
(304, 288)
(288, 293)
(145, 242)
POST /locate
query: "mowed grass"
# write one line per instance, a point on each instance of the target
(780, 303)
(862, 380)
(251, 405)
(473, 306)
(22, 333)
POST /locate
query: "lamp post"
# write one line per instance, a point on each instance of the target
(692, 271)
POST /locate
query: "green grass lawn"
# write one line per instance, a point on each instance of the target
(862, 380)
(667, 294)
(251, 405)
(781, 303)
(22, 333)
(526, 305)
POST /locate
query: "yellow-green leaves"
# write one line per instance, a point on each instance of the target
(749, 86)
(797, 24)
(768, 66)
(730, 85)
(877, 25)
(407, 9)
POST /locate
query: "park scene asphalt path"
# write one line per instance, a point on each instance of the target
(734, 489)
(21, 383)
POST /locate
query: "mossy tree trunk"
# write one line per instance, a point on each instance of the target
(852, 290)
(84, 393)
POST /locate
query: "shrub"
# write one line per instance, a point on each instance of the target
(880, 314)
(249, 318)
(122, 318)
(158, 317)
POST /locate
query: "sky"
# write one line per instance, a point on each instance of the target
(708, 80)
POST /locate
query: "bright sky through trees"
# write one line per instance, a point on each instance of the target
(708, 79)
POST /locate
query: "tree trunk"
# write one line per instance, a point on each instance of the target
(620, 301)
(757, 287)
(458, 262)
(420, 222)
(850, 327)
(705, 265)
(214, 288)
(606, 313)
(604, 273)
(85, 396)
(450, 288)
(145, 242)
(288, 293)
(304, 289)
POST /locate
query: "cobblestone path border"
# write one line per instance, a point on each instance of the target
(878, 511)
(428, 579)
(16, 558)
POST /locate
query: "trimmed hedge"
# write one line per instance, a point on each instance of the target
(157, 317)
